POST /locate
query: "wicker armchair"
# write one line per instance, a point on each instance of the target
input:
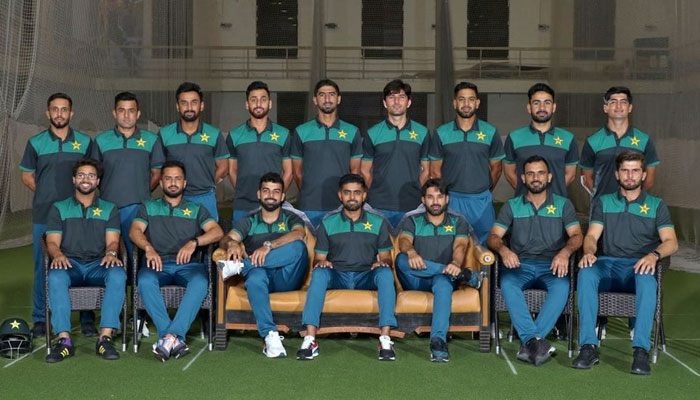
(173, 294)
(81, 297)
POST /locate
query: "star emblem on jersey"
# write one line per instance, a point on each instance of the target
(558, 140)
(96, 212)
(274, 136)
(551, 209)
(644, 209)
(186, 212)
(281, 227)
(367, 225)
(76, 145)
(204, 137)
(14, 324)
(413, 135)
(448, 228)
(635, 141)
(342, 134)
(480, 136)
(141, 143)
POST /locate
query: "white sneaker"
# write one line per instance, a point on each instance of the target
(386, 349)
(273, 345)
(229, 268)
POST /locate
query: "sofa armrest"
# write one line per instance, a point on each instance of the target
(484, 255)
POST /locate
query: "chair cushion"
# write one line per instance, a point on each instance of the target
(464, 300)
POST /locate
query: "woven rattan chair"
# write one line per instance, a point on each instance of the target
(81, 297)
(535, 299)
(173, 294)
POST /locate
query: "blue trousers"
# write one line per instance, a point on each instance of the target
(380, 279)
(615, 274)
(533, 274)
(38, 295)
(283, 271)
(315, 216)
(208, 200)
(193, 276)
(394, 217)
(430, 279)
(477, 208)
(86, 274)
(126, 217)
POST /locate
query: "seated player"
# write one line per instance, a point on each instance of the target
(169, 230)
(353, 251)
(82, 239)
(433, 246)
(544, 233)
(270, 252)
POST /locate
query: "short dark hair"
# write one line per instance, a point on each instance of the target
(466, 85)
(273, 177)
(436, 183)
(629, 155)
(618, 90)
(174, 164)
(125, 96)
(395, 87)
(257, 85)
(534, 159)
(188, 87)
(59, 96)
(326, 82)
(88, 161)
(539, 87)
(352, 178)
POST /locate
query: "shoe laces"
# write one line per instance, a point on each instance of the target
(308, 341)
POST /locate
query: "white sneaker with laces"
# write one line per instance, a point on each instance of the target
(229, 268)
(273, 345)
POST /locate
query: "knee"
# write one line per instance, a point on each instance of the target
(588, 278)
(148, 279)
(442, 284)
(116, 276)
(509, 283)
(402, 261)
(255, 279)
(645, 282)
(198, 282)
(559, 285)
(58, 277)
(298, 247)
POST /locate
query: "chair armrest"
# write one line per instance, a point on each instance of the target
(484, 255)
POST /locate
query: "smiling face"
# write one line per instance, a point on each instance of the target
(258, 103)
(435, 202)
(189, 106)
(618, 107)
(536, 177)
(397, 104)
(85, 179)
(271, 195)
(352, 196)
(541, 107)
(466, 103)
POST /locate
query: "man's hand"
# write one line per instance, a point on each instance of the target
(560, 265)
(451, 269)
(185, 253)
(415, 261)
(236, 252)
(646, 265)
(60, 262)
(510, 259)
(377, 264)
(587, 260)
(258, 256)
(110, 261)
(324, 264)
(153, 260)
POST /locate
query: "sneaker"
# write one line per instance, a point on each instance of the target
(309, 349)
(640, 365)
(179, 349)
(88, 329)
(438, 350)
(524, 354)
(162, 348)
(386, 349)
(105, 349)
(587, 357)
(469, 277)
(60, 351)
(229, 268)
(273, 345)
(542, 351)
(39, 329)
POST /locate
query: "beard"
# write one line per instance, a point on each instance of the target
(189, 118)
(60, 125)
(352, 206)
(175, 194)
(630, 186)
(270, 206)
(542, 119)
(259, 112)
(327, 108)
(435, 211)
(85, 191)
(466, 115)
(536, 189)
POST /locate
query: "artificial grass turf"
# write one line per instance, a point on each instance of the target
(348, 368)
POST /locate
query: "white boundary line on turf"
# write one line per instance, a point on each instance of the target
(510, 364)
(28, 354)
(195, 357)
(681, 363)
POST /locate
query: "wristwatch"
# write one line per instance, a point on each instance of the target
(657, 254)
(196, 242)
(268, 244)
(112, 253)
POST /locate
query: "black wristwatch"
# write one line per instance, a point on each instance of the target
(657, 254)
(196, 242)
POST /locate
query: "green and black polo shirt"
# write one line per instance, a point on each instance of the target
(601, 148)
(199, 152)
(557, 146)
(537, 234)
(435, 242)
(83, 229)
(169, 228)
(52, 160)
(254, 231)
(257, 154)
(353, 246)
(396, 154)
(630, 229)
(127, 165)
(466, 155)
(326, 152)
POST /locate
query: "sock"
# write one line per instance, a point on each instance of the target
(67, 342)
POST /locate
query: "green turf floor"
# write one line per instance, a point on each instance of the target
(348, 369)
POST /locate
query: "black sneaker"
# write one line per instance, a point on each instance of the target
(308, 350)
(60, 351)
(180, 349)
(470, 278)
(587, 357)
(162, 348)
(524, 354)
(88, 329)
(640, 365)
(438, 350)
(543, 351)
(386, 349)
(105, 349)
(39, 329)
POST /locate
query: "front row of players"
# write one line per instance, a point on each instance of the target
(353, 251)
